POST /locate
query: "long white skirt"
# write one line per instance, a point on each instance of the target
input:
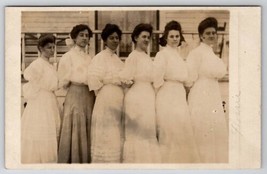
(176, 138)
(106, 129)
(141, 145)
(40, 129)
(209, 122)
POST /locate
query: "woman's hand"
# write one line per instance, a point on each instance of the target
(116, 81)
(126, 83)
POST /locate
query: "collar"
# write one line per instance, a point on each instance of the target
(171, 48)
(206, 46)
(110, 51)
(79, 49)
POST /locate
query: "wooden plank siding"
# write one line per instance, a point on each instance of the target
(60, 23)
(191, 19)
(55, 21)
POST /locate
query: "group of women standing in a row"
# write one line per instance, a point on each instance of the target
(132, 112)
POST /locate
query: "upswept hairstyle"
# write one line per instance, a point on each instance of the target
(139, 28)
(109, 29)
(207, 23)
(45, 39)
(172, 25)
(76, 29)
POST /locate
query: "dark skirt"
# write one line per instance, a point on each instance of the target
(74, 144)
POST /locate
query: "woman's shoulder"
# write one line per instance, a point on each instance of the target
(133, 53)
(162, 51)
(195, 51)
(37, 63)
(67, 55)
(99, 57)
(34, 69)
(100, 54)
(167, 51)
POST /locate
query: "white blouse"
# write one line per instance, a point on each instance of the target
(41, 76)
(168, 65)
(138, 67)
(73, 67)
(202, 62)
(104, 69)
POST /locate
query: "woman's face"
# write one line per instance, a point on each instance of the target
(209, 36)
(113, 41)
(142, 40)
(173, 38)
(48, 50)
(82, 38)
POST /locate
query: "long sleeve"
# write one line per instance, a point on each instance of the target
(96, 74)
(193, 63)
(64, 71)
(214, 67)
(34, 72)
(128, 72)
(34, 75)
(159, 68)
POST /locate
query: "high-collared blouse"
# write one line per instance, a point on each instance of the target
(104, 69)
(138, 67)
(41, 76)
(203, 62)
(169, 65)
(73, 67)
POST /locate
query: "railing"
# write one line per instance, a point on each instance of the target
(29, 50)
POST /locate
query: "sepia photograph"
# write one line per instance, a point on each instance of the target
(131, 87)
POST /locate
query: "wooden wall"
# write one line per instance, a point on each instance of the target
(55, 21)
(189, 19)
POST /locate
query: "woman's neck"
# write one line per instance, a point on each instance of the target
(139, 49)
(45, 58)
(107, 48)
(172, 47)
(80, 48)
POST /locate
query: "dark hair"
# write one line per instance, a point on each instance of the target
(45, 39)
(76, 29)
(206, 23)
(172, 25)
(139, 28)
(109, 29)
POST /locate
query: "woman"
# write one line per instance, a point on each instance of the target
(41, 119)
(104, 79)
(175, 131)
(141, 144)
(209, 123)
(74, 145)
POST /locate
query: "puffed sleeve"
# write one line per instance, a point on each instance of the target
(221, 69)
(193, 62)
(96, 73)
(214, 67)
(64, 71)
(50, 80)
(128, 72)
(159, 68)
(34, 72)
(34, 75)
